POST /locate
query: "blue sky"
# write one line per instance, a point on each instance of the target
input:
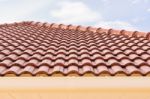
(118, 14)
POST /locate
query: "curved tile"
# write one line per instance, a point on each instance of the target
(2, 69)
(140, 51)
(27, 69)
(42, 69)
(12, 70)
(19, 62)
(46, 62)
(112, 62)
(72, 62)
(12, 56)
(32, 62)
(5, 52)
(109, 57)
(86, 69)
(96, 56)
(126, 62)
(133, 56)
(102, 69)
(2, 56)
(140, 62)
(60, 56)
(99, 62)
(145, 69)
(121, 56)
(57, 69)
(17, 51)
(60, 62)
(132, 69)
(84, 56)
(145, 56)
(117, 69)
(72, 69)
(36, 56)
(85, 62)
(24, 56)
(6, 62)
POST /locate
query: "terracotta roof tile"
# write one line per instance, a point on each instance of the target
(42, 48)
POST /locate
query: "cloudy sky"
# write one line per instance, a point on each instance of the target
(118, 14)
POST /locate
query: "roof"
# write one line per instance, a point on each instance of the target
(42, 48)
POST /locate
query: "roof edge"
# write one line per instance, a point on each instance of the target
(83, 28)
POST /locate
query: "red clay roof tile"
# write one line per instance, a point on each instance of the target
(42, 48)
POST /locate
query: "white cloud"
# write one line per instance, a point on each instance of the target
(2, 0)
(139, 1)
(116, 25)
(135, 1)
(105, 1)
(148, 10)
(137, 20)
(19, 10)
(74, 12)
(79, 13)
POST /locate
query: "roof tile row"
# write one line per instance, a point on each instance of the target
(99, 70)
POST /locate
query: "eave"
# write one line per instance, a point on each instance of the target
(75, 87)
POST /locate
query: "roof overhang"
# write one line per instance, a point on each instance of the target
(75, 87)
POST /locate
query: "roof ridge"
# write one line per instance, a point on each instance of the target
(83, 28)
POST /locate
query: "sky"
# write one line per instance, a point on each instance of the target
(116, 14)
